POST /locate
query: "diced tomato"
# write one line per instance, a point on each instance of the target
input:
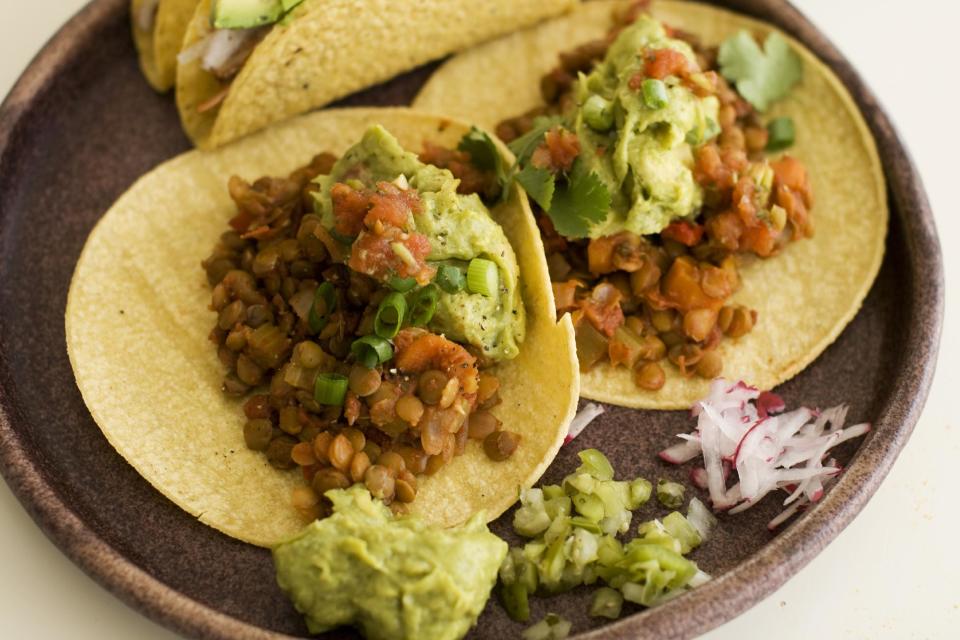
(374, 255)
(685, 232)
(392, 206)
(760, 239)
(666, 62)
(681, 287)
(558, 150)
(349, 209)
(744, 200)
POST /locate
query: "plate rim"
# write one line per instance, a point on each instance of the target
(716, 602)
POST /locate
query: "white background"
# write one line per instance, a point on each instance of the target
(892, 574)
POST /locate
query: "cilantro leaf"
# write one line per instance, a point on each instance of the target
(580, 204)
(762, 76)
(483, 153)
(524, 146)
(539, 185)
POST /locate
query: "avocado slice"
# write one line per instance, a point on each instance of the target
(245, 14)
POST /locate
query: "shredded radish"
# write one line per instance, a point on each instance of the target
(742, 428)
(580, 421)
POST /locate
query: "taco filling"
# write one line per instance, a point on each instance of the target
(653, 176)
(362, 302)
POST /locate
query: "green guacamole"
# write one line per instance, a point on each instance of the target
(645, 158)
(391, 578)
(459, 228)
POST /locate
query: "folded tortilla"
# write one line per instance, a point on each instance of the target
(137, 323)
(328, 49)
(806, 295)
(158, 30)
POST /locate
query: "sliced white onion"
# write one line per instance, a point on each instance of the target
(194, 51)
(580, 421)
(700, 518)
(737, 426)
(223, 44)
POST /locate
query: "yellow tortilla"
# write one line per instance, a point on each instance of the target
(137, 323)
(159, 47)
(332, 48)
(806, 295)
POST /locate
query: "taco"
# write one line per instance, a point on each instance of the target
(374, 319)
(245, 65)
(158, 29)
(674, 162)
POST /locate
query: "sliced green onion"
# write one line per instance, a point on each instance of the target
(597, 113)
(450, 278)
(330, 389)
(401, 284)
(482, 277)
(640, 491)
(670, 494)
(655, 93)
(782, 134)
(595, 464)
(390, 316)
(606, 603)
(424, 305)
(371, 351)
(324, 304)
(681, 529)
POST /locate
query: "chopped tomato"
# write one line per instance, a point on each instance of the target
(392, 206)
(681, 287)
(666, 62)
(760, 239)
(557, 151)
(349, 209)
(392, 252)
(685, 232)
(602, 308)
(744, 200)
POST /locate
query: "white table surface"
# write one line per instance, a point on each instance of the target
(891, 574)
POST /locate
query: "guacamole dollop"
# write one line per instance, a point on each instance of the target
(645, 158)
(459, 228)
(391, 578)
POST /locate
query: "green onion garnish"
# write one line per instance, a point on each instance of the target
(655, 93)
(598, 113)
(330, 389)
(423, 305)
(606, 603)
(782, 134)
(390, 315)
(450, 278)
(324, 304)
(482, 277)
(401, 284)
(371, 350)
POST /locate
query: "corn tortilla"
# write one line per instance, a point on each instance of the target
(332, 48)
(806, 295)
(137, 322)
(158, 48)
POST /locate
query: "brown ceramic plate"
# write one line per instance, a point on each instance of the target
(81, 125)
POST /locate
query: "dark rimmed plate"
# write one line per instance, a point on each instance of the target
(81, 125)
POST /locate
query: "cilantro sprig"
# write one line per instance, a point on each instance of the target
(762, 76)
(576, 201)
(483, 153)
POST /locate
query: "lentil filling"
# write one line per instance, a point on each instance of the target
(337, 380)
(637, 300)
